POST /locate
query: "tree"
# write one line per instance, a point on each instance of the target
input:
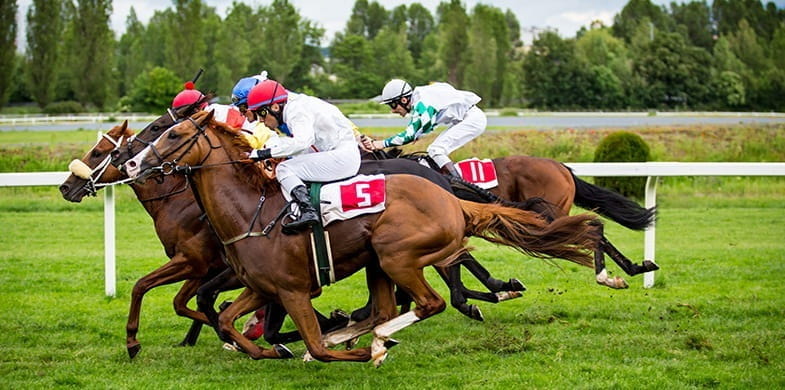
(487, 54)
(7, 48)
(90, 44)
(131, 58)
(695, 17)
(153, 91)
(44, 34)
(633, 14)
(746, 46)
(367, 19)
(282, 38)
(453, 30)
(673, 72)
(186, 47)
(351, 56)
(554, 77)
(390, 57)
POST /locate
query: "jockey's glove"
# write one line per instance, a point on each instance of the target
(260, 154)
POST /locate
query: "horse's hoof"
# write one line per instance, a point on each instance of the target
(516, 285)
(391, 343)
(282, 351)
(650, 266)
(134, 349)
(231, 347)
(507, 295)
(307, 357)
(475, 313)
(620, 283)
(377, 362)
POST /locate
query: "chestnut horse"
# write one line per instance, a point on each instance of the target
(196, 255)
(421, 225)
(524, 177)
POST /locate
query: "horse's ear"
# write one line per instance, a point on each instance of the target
(124, 126)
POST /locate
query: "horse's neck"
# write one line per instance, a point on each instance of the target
(230, 199)
(155, 196)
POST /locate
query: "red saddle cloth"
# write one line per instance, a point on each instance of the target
(479, 172)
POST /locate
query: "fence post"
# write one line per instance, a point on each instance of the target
(109, 242)
(648, 236)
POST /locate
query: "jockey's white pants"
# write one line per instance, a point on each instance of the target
(472, 125)
(336, 164)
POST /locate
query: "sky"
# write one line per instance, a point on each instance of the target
(566, 16)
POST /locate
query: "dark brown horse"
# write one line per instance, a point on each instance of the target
(195, 254)
(522, 178)
(421, 225)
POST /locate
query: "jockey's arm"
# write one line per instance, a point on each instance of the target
(423, 122)
(303, 136)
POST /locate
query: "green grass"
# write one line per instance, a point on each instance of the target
(714, 319)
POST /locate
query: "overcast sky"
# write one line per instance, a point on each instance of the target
(567, 16)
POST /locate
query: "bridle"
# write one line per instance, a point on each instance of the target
(78, 167)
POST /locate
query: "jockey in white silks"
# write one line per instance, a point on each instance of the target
(317, 137)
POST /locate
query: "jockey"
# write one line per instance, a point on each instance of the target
(318, 138)
(432, 105)
(241, 90)
(223, 113)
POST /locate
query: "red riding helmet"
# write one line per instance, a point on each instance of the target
(266, 93)
(188, 96)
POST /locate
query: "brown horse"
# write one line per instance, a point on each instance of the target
(522, 178)
(421, 225)
(195, 254)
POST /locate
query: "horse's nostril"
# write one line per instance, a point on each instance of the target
(131, 164)
(64, 188)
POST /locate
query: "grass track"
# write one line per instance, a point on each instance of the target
(713, 320)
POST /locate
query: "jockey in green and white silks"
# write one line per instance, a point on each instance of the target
(429, 106)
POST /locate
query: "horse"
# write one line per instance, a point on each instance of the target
(421, 225)
(499, 290)
(521, 178)
(196, 256)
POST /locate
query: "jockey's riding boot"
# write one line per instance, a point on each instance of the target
(449, 169)
(308, 215)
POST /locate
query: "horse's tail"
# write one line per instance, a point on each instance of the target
(612, 205)
(571, 237)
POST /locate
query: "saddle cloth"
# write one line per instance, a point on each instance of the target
(359, 195)
(479, 172)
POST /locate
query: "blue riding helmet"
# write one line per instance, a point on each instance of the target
(241, 89)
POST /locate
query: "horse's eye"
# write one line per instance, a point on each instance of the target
(95, 154)
(173, 135)
(155, 128)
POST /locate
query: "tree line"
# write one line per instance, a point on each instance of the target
(723, 55)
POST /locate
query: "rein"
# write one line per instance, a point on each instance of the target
(171, 167)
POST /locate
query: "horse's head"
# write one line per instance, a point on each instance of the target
(95, 167)
(154, 130)
(184, 144)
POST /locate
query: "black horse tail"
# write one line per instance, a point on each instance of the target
(612, 205)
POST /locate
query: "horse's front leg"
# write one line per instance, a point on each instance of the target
(298, 305)
(175, 270)
(208, 293)
(246, 302)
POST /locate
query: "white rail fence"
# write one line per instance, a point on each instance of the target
(652, 170)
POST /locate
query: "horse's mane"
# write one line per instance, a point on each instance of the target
(236, 146)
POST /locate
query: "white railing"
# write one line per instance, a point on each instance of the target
(652, 170)
(74, 118)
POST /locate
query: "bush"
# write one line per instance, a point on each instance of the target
(623, 146)
(66, 107)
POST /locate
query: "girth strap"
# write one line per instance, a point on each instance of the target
(320, 242)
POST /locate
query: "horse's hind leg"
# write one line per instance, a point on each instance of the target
(624, 263)
(187, 291)
(482, 274)
(600, 272)
(452, 277)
